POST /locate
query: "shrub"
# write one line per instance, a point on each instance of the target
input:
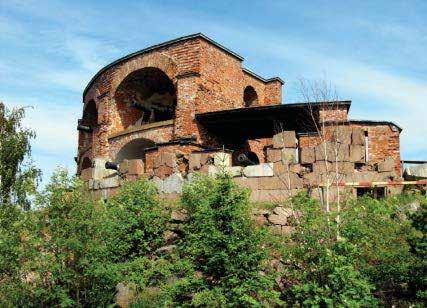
(137, 221)
(418, 244)
(72, 250)
(224, 246)
(318, 269)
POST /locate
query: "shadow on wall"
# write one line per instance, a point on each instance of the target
(250, 97)
(88, 124)
(134, 149)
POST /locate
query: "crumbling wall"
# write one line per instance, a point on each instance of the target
(207, 78)
(384, 142)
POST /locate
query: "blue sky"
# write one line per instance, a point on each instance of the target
(374, 52)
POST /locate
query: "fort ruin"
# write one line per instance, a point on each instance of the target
(188, 105)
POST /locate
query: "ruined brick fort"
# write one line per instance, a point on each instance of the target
(188, 105)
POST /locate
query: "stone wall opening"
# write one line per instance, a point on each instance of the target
(90, 114)
(250, 97)
(86, 163)
(244, 158)
(89, 121)
(134, 149)
(145, 96)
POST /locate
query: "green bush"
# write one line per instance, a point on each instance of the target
(72, 250)
(366, 258)
(223, 248)
(318, 268)
(418, 244)
(137, 221)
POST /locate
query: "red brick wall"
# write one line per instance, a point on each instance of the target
(383, 142)
(157, 134)
(221, 80)
(273, 93)
(333, 113)
(308, 141)
(206, 78)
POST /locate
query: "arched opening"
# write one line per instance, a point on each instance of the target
(86, 163)
(134, 149)
(250, 97)
(90, 114)
(88, 124)
(145, 96)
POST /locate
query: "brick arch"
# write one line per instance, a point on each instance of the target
(157, 135)
(157, 60)
(86, 155)
(91, 94)
(250, 96)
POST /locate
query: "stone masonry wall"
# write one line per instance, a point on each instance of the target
(207, 78)
(384, 141)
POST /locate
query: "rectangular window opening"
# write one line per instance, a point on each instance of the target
(373, 192)
(366, 146)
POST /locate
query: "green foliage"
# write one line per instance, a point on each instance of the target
(18, 177)
(222, 242)
(138, 221)
(223, 249)
(320, 270)
(71, 250)
(367, 258)
(418, 243)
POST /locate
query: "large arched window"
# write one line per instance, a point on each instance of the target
(87, 124)
(134, 149)
(144, 96)
(90, 114)
(250, 97)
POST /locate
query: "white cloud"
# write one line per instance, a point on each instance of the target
(54, 124)
(56, 135)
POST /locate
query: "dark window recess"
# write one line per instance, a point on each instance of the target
(373, 192)
(245, 159)
(250, 97)
(86, 163)
(308, 167)
(149, 93)
(358, 166)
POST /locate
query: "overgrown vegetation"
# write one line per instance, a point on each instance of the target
(18, 176)
(70, 250)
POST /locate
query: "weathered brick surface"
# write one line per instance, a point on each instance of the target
(199, 77)
(383, 142)
(333, 113)
(205, 78)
